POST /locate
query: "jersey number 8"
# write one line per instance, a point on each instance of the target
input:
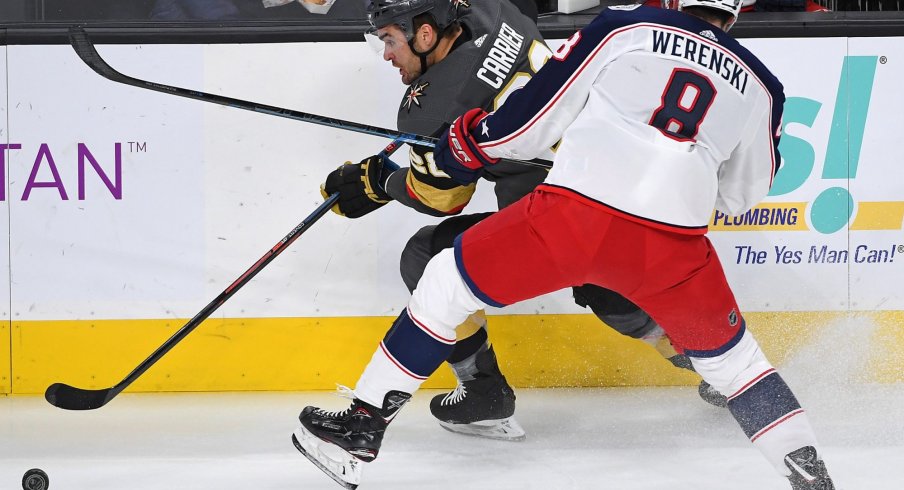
(685, 101)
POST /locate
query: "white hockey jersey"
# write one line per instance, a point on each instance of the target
(662, 118)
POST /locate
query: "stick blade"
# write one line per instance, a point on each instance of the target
(79, 40)
(68, 397)
(85, 49)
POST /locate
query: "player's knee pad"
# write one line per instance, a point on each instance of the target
(442, 300)
(429, 241)
(734, 366)
(415, 255)
(444, 235)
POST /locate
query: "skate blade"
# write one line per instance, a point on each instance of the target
(500, 430)
(342, 467)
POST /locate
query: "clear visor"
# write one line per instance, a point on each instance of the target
(373, 40)
(386, 42)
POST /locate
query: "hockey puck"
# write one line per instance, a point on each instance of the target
(35, 479)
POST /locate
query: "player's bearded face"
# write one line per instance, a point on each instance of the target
(396, 50)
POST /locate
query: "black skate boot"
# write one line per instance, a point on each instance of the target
(483, 406)
(808, 472)
(705, 390)
(336, 442)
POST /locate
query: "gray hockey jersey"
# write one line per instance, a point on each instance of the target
(498, 51)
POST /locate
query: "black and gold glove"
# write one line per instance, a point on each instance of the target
(360, 187)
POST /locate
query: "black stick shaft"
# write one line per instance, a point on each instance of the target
(85, 49)
(230, 291)
(72, 398)
(244, 278)
(88, 53)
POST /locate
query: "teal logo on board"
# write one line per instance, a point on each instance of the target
(831, 210)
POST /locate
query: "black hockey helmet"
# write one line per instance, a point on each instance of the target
(381, 13)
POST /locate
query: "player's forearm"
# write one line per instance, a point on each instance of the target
(426, 199)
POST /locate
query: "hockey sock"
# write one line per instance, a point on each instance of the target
(409, 353)
(770, 415)
(758, 398)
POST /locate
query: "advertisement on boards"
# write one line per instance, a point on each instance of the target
(876, 186)
(128, 203)
(832, 221)
(105, 187)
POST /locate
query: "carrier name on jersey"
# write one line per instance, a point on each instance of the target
(713, 59)
(502, 56)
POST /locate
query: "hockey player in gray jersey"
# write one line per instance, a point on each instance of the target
(454, 56)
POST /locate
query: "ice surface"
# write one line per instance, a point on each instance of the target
(610, 438)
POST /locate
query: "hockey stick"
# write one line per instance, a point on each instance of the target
(69, 397)
(85, 49)
(88, 53)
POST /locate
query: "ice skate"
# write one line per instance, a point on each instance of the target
(482, 407)
(339, 442)
(808, 472)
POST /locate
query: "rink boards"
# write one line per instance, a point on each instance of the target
(127, 211)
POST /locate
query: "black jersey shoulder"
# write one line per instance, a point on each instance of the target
(453, 86)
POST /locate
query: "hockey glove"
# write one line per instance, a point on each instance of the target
(360, 187)
(457, 153)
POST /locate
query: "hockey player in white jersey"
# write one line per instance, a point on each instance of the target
(444, 79)
(662, 117)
